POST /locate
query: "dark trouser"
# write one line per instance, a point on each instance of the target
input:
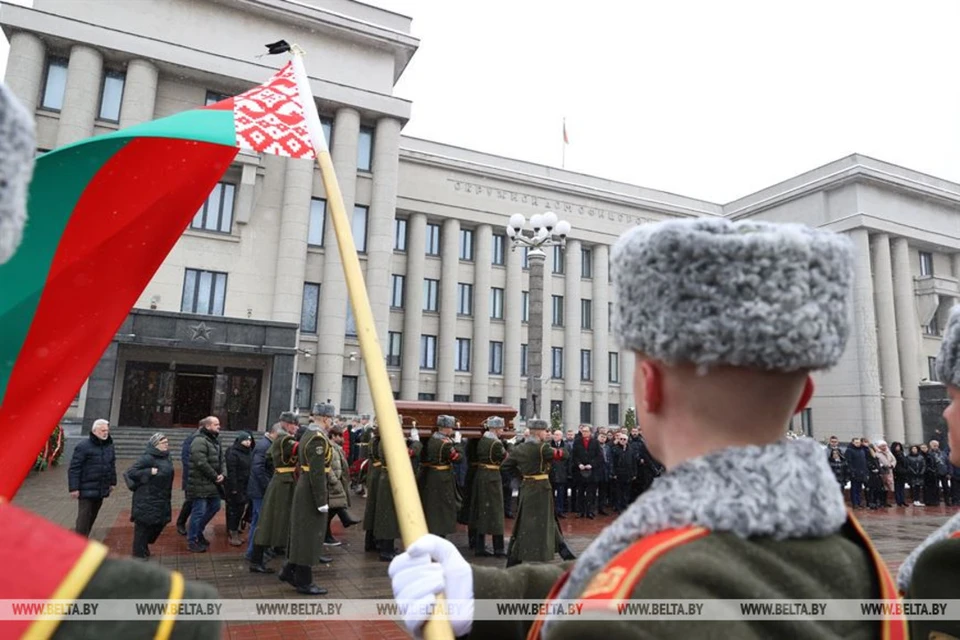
(202, 513)
(916, 491)
(603, 495)
(185, 511)
(945, 485)
(955, 489)
(931, 491)
(560, 497)
(898, 490)
(507, 495)
(574, 485)
(856, 493)
(143, 535)
(622, 494)
(87, 510)
(587, 500)
(256, 503)
(235, 515)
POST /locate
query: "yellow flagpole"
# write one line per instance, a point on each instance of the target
(406, 497)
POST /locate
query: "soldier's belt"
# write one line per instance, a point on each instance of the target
(285, 469)
(495, 467)
(436, 467)
(306, 467)
(538, 476)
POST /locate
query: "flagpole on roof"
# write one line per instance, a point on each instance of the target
(413, 524)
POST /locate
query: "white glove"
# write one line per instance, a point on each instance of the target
(430, 566)
(414, 434)
(457, 437)
(325, 508)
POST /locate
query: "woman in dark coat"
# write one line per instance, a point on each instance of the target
(151, 480)
(875, 488)
(839, 467)
(235, 483)
(900, 475)
(917, 469)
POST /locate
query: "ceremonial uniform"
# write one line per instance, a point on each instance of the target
(438, 486)
(273, 528)
(486, 501)
(373, 491)
(466, 495)
(386, 529)
(307, 522)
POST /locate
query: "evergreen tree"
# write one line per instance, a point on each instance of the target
(630, 419)
(556, 420)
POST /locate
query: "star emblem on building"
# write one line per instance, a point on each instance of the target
(201, 331)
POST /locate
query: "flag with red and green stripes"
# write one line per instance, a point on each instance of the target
(103, 213)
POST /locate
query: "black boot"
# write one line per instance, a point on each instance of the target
(472, 537)
(498, 547)
(387, 552)
(512, 562)
(304, 582)
(480, 550)
(256, 561)
(369, 542)
(566, 553)
(288, 574)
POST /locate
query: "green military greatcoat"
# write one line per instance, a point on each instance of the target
(535, 533)
(486, 502)
(466, 510)
(438, 485)
(373, 483)
(273, 527)
(307, 523)
(385, 525)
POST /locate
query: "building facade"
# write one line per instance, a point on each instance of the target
(249, 313)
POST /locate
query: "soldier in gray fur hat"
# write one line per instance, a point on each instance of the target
(438, 485)
(930, 571)
(726, 320)
(486, 499)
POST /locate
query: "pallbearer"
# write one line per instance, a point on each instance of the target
(438, 485)
(386, 529)
(486, 502)
(273, 528)
(374, 469)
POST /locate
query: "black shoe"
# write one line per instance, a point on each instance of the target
(387, 556)
(324, 559)
(602, 512)
(591, 516)
(350, 523)
(566, 553)
(330, 541)
(182, 530)
(311, 590)
(195, 547)
(483, 552)
(259, 568)
(287, 574)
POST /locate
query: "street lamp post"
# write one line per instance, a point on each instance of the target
(542, 230)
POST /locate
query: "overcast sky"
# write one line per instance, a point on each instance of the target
(707, 99)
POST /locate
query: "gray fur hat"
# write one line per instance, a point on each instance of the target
(537, 423)
(493, 422)
(751, 294)
(445, 422)
(17, 148)
(289, 417)
(324, 410)
(948, 360)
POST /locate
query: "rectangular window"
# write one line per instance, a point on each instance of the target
(609, 316)
(54, 84)
(932, 370)
(464, 299)
(463, 355)
(428, 352)
(359, 227)
(926, 263)
(523, 409)
(365, 149)
(431, 300)
(427, 397)
(310, 307)
(400, 234)
(613, 414)
(806, 422)
(466, 244)
(327, 124)
(586, 263)
(557, 310)
(350, 327)
(586, 314)
(494, 400)
(348, 394)
(613, 366)
(461, 398)
(933, 328)
(304, 390)
(394, 348)
(498, 249)
(558, 259)
(496, 303)
(586, 365)
(318, 220)
(586, 412)
(396, 293)
(496, 358)
(203, 292)
(213, 98)
(525, 258)
(556, 407)
(216, 214)
(524, 354)
(525, 306)
(111, 95)
(556, 362)
(433, 240)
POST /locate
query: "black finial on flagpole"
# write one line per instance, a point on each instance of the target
(280, 46)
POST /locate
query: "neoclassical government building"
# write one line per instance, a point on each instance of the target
(249, 312)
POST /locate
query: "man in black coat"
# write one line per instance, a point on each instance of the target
(187, 506)
(151, 479)
(558, 477)
(586, 464)
(625, 469)
(238, 461)
(92, 475)
(261, 470)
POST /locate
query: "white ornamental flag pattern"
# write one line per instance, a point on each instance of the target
(269, 118)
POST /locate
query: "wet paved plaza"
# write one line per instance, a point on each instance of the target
(353, 573)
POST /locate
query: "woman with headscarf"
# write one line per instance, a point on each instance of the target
(151, 480)
(235, 484)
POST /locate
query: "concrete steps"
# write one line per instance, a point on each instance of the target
(130, 442)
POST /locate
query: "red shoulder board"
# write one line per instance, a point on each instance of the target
(51, 563)
(537, 626)
(891, 629)
(955, 534)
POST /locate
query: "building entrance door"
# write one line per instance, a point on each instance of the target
(193, 398)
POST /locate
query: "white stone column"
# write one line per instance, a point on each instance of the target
(81, 99)
(139, 93)
(887, 334)
(413, 306)
(512, 311)
(447, 340)
(865, 336)
(546, 350)
(292, 254)
(480, 380)
(571, 335)
(627, 366)
(908, 339)
(383, 204)
(601, 364)
(24, 74)
(333, 292)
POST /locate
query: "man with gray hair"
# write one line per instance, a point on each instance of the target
(92, 475)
